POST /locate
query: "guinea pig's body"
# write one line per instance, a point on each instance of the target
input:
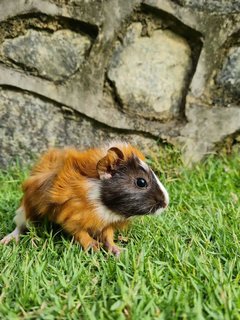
(90, 193)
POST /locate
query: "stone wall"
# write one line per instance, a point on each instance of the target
(81, 72)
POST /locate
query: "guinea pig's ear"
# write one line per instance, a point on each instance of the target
(109, 163)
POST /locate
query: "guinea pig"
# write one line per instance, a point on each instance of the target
(91, 193)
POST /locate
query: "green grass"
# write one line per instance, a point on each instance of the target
(182, 265)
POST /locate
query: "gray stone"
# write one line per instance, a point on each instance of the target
(229, 76)
(221, 6)
(77, 97)
(206, 127)
(53, 56)
(214, 28)
(103, 98)
(151, 73)
(30, 125)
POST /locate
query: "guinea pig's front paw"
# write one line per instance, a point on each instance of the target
(93, 245)
(113, 249)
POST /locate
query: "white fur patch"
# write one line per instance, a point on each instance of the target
(164, 191)
(144, 165)
(158, 212)
(104, 213)
(20, 218)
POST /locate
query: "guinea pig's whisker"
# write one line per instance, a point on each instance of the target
(152, 209)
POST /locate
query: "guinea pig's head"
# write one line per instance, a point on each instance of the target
(129, 187)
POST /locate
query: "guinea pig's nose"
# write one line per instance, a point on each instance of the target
(164, 204)
(161, 203)
(160, 199)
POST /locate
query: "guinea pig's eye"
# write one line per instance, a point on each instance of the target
(141, 183)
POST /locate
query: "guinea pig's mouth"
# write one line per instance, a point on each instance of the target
(157, 208)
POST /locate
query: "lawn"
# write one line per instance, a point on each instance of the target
(184, 264)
